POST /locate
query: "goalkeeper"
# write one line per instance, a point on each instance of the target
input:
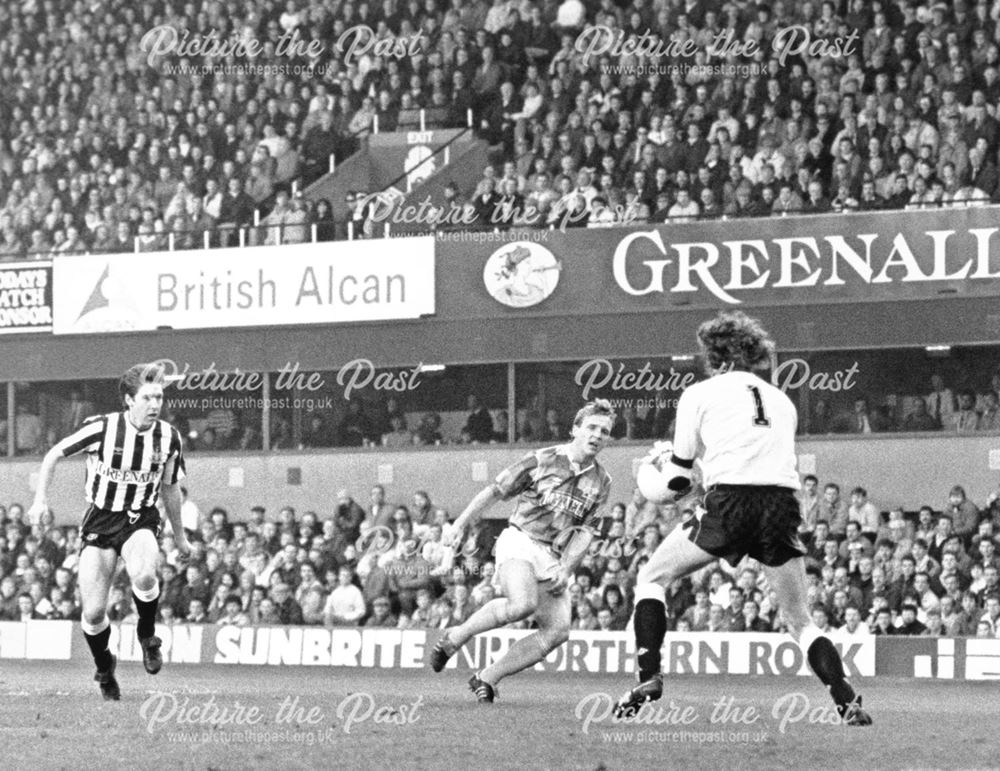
(743, 429)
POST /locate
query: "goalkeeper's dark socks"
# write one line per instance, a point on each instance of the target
(147, 612)
(98, 644)
(826, 663)
(650, 625)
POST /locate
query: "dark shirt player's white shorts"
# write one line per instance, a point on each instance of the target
(757, 520)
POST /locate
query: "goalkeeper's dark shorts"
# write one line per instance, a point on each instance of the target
(756, 520)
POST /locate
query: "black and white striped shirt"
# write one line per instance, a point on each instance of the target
(125, 466)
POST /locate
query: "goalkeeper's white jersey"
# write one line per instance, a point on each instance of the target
(742, 427)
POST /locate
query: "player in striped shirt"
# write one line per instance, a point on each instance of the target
(133, 458)
(560, 491)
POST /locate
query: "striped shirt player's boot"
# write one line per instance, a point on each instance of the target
(109, 685)
(152, 658)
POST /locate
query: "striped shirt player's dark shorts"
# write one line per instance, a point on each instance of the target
(111, 529)
(757, 520)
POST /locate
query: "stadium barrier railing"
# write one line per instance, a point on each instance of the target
(338, 229)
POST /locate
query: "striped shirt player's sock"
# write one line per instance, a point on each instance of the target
(146, 604)
(98, 644)
(650, 625)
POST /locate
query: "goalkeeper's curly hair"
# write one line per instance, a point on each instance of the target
(733, 340)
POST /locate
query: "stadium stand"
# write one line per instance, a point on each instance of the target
(932, 572)
(108, 147)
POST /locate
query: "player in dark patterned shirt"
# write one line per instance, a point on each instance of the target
(560, 491)
(133, 458)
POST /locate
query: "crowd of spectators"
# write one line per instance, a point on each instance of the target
(941, 408)
(385, 422)
(934, 572)
(104, 146)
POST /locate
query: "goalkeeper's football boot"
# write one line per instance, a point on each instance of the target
(442, 651)
(485, 693)
(853, 714)
(109, 685)
(648, 690)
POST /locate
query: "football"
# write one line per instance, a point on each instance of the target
(658, 479)
(652, 482)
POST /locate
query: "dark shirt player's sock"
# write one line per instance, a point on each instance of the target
(147, 616)
(826, 663)
(650, 625)
(98, 644)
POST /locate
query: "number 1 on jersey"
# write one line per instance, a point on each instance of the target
(760, 417)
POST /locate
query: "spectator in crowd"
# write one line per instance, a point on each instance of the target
(908, 624)
(854, 625)
(615, 603)
(317, 433)
(865, 513)
(26, 610)
(422, 615)
(233, 614)
(345, 605)
(348, 517)
(429, 430)
(697, 615)
(355, 428)
(965, 419)
(410, 572)
(310, 594)
(196, 612)
(883, 623)
(920, 419)
(940, 401)
(854, 537)
(833, 510)
(989, 415)
(381, 614)
(479, 423)
(963, 512)
(28, 432)
(379, 511)
(324, 219)
(554, 430)
(809, 500)
(639, 514)
(289, 611)
(398, 435)
(586, 618)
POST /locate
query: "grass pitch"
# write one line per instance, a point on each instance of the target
(215, 717)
